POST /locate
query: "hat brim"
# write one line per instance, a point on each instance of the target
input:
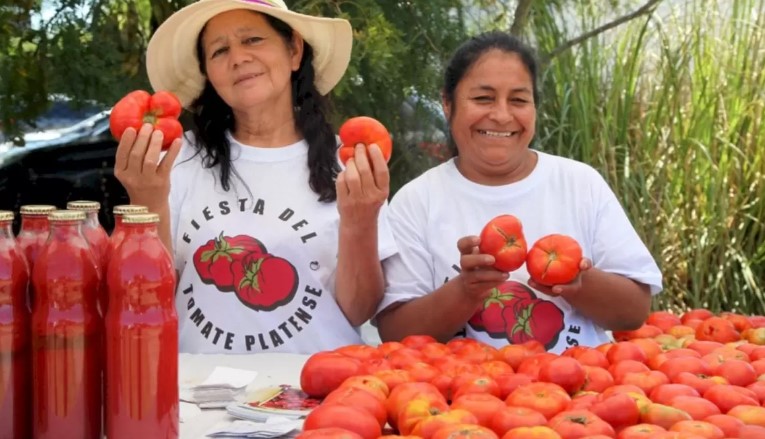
(171, 59)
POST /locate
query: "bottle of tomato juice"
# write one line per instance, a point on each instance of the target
(142, 336)
(15, 345)
(67, 331)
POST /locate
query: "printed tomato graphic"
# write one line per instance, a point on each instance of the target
(366, 130)
(554, 260)
(489, 317)
(264, 282)
(213, 261)
(533, 319)
(139, 107)
(502, 237)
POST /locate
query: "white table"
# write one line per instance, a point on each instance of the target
(272, 369)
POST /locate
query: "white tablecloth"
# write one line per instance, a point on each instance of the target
(272, 369)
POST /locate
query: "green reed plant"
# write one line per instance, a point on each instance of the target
(670, 110)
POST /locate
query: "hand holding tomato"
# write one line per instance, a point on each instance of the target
(161, 110)
(138, 166)
(477, 273)
(362, 188)
(555, 263)
(363, 130)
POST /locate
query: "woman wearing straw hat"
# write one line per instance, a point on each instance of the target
(277, 248)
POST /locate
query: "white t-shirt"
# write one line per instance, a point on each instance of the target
(257, 264)
(431, 213)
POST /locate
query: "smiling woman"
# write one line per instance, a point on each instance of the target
(441, 284)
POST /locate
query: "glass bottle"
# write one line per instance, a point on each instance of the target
(142, 336)
(67, 332)
(15, 352)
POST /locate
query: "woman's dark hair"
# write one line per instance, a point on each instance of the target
(468, 53)
(212, 117)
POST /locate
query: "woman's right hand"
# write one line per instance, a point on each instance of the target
(477, 275)
(138, 166)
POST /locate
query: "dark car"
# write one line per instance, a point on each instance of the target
(56, 166)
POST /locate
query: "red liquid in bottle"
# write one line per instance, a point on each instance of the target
(15, 346)
(66, 335)
(32, 236)
(142, 336)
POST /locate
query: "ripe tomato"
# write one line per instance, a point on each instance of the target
(619, 410)
(566, 372)
(417, 409)
(366, 130)
(508, 418)
(405, 392)
(547, 398)
(360, 398)
(717, 329)
(532, 432)
(554, 260)
(427, 427)
(138, 107)
(483, 405)
(464, 431)
(328, 433)
(502, 237)
(361, 352)
(323, 372)
(579, 423)
(349, 418)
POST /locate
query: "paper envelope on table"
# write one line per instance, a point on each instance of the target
(283, 400)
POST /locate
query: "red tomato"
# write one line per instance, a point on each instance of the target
(502, 237)
(508, 418)
(717, 329)
(464, 431)
(700, 428)
(359, 398)
(641, 431)
(417, 341)
(405, 392)
(366, 130)
(579, 423)
(547, 398)
(663, 415)
(696, 406)
(554, 260)
(427, 427)
(369, 382)
(416, 410)
(349, 418)
(323, 372)
(533, 432)
(619, 410)
(139, 107)
(483, 405)
(566, 372)
(328, 433)
(361, 352)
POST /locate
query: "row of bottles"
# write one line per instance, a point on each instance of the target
(87, 326)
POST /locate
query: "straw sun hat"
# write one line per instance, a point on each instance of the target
(171, 59)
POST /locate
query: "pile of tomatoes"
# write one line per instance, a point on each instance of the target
(690, 376)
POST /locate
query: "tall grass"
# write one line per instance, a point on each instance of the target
(670, 110)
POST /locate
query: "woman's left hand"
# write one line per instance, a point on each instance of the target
(564, 290)
(363, 187)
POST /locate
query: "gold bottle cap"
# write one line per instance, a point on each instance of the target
(67, 215)
(140, 218)
(37, 209)
(6, 215)
(84, 205)
(125, 209)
